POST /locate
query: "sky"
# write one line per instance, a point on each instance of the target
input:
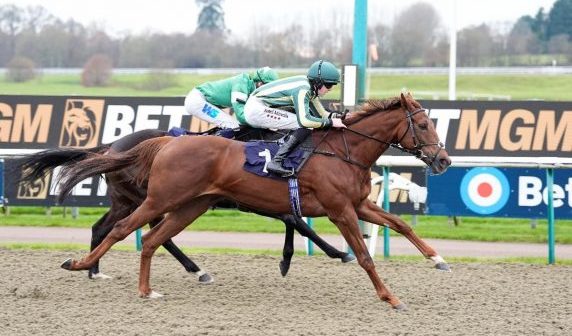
(120, 17)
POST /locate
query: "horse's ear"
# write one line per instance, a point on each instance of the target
(403, 100)
(406, 101)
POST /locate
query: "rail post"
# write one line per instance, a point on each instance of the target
(550, 201)
(386, 208)
(138, 244)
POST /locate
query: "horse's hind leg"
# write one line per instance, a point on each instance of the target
(370, 212)
(142, 215)
(98, 232)
(173, 223)
(187, 263)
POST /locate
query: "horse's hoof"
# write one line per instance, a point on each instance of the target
(67, 264)
(206, 279)
(151, 295)
(99, 275)
(443, 267)
(284, 268)
(400, 307)
(348, 258)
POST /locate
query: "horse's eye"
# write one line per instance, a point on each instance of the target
(423, 126)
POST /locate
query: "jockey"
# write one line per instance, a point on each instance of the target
(207, 100)
(268, 106)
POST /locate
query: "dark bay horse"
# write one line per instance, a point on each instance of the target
(126, 196)
(335, 182)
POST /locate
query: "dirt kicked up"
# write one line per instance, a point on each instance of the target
(319, 296)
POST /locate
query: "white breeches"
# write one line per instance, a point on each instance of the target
(197, 106)
(261, 116)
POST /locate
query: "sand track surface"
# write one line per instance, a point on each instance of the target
(319, 296)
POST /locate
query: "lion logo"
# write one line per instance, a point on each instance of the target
(82, 119)
(37, 189)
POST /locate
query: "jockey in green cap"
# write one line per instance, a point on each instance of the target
(207, 100)
(269, 105)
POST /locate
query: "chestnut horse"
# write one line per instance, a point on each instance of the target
(335, 182)
(125, 196)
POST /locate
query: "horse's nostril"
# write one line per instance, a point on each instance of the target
(445, 162)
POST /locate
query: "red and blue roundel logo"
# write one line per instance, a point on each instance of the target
(485, 190)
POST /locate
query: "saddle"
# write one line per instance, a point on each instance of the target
(259, 153)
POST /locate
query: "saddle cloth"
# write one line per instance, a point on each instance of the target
(259, 153)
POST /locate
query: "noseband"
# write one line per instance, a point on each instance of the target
(416, 151)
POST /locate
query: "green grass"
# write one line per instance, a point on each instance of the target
(517, 87)
(470, 228)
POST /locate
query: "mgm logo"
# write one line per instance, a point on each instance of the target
(37, 189)
(82, 122)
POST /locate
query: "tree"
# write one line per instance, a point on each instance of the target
(559, 19)
(36, 18)
(475, 45)
(211, 17)
(522, 39)
(11, 23)
(413, 34)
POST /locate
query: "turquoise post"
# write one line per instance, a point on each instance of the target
(386, 208)
(359, 51)
(138, 244)
(310, 223)
(551, 238)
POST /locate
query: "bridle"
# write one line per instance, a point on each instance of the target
(416, 151)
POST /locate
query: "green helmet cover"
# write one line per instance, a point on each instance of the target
(264, 75)
(324, 71)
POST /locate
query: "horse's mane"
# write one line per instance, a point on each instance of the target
(372, 106)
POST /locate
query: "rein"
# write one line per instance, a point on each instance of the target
(416, 151)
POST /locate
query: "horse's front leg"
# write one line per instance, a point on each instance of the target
(288, 250)
(305, 230)
(293, 222)
(369, 212)
(347, 222)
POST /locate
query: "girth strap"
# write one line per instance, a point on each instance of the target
(294, 197)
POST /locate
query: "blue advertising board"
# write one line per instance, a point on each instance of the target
(498, 192)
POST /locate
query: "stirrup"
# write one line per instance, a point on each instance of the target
(279, 170)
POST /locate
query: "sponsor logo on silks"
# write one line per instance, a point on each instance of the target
(38, 189)
(484, 190)
(81, 123)
(210, 111)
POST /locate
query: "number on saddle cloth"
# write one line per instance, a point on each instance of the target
(259, 153)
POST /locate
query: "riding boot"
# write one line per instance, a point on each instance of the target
(275, 165)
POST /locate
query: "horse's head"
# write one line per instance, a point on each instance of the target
(417, 135)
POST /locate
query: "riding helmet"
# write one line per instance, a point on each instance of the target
(324, 72)
(265, 75)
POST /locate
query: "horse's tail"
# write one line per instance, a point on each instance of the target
(138, 158)
(38, 165)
